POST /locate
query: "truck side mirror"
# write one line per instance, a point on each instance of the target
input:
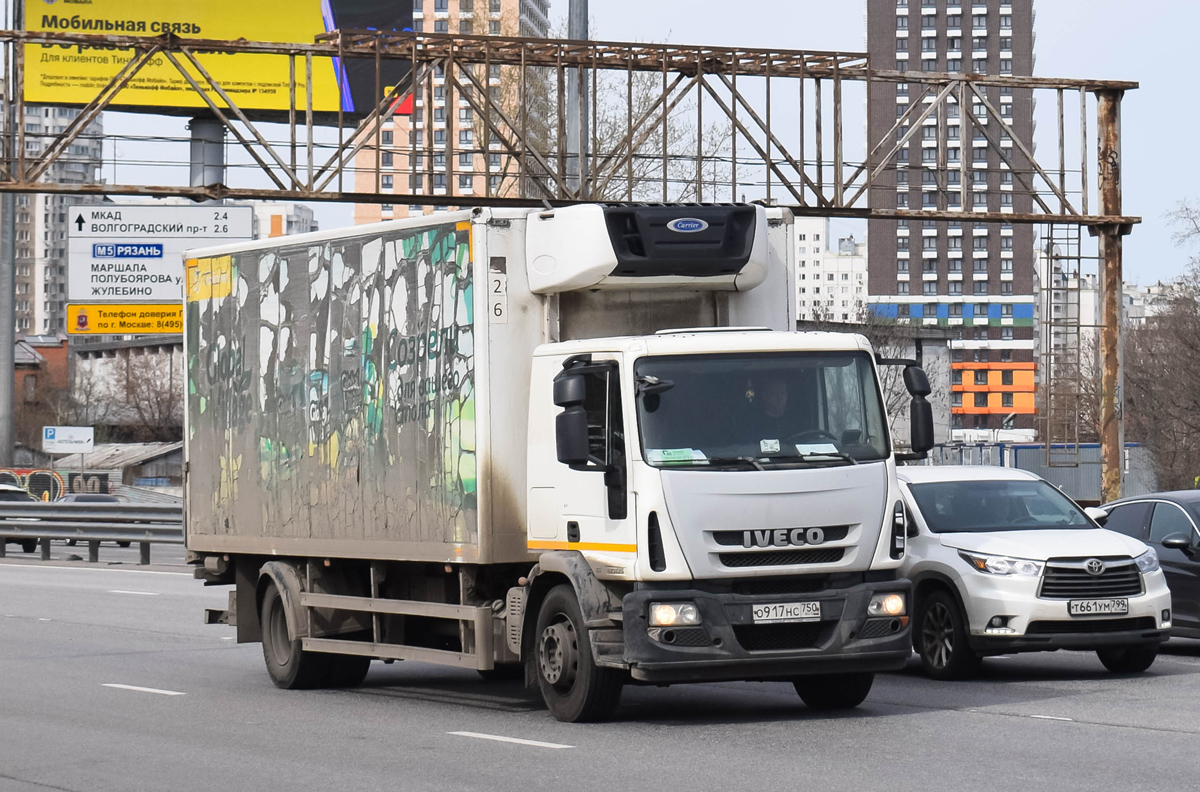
(569, 390)
(920, 411)
(920, 419)
(916, 382)
(571, 435)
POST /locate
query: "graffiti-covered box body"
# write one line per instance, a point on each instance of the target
(341, 393)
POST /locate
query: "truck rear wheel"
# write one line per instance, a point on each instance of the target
(347, 670)
(575, 689)
(834, 691)
(290, 667)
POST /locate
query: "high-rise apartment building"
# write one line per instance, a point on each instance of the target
(41, 220)
(975, 278)
(414, 148)
(831, 283)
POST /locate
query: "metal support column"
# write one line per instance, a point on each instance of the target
(1108, 115)
(577, 102)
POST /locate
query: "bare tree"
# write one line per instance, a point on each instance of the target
(153, 393)
(1162, 380)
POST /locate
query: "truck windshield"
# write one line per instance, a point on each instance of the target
(759, 410)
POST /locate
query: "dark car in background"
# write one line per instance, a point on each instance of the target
(11, 493)
(90, 497)
(1170, 523)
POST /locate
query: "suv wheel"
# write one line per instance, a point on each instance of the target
(1127, 659)
(941, 638)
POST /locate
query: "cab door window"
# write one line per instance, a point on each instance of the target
(606, 434)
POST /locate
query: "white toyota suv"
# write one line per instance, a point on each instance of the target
(1003, 562)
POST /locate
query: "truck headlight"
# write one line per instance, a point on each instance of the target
(674, 614)
(1147, 562)
(1003, 565)
(888, 604)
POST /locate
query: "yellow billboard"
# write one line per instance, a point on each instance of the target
(59, 74)
(132, 319)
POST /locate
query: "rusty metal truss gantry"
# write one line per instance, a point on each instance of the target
(700, 123)
(670, 123)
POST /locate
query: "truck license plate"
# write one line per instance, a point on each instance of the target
(781, 612)
(1098, 607)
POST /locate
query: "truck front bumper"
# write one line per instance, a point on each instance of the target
(729, 645)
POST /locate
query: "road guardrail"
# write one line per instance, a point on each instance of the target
(145, 524)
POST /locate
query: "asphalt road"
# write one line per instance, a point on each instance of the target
(109, 681)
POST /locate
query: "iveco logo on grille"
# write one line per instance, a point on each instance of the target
(687, 225)
(1094, 566)
(782, 537)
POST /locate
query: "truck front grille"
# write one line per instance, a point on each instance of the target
(805, 584)
(775, 637)
(832, 533)
(826, 555)
(1069, 580)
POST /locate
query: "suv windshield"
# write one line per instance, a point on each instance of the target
(983, 506)
(758, 409)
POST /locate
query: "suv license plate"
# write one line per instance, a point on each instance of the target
(1098, 607)
(781, 612)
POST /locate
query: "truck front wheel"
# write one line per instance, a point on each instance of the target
(834, 691)
(575, 689)
(290, 667)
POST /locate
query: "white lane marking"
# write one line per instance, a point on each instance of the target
(43, 619)
(143, 689)
(95, 569)
(141, 593)
(517, 741)
(1052, 717)
(226, 637)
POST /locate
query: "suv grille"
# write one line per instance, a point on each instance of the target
(1091, 626)
(1065, 580)
(773, 637)
(782, 557)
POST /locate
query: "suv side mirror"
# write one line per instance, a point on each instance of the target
(1177, 541)
(1099, 516)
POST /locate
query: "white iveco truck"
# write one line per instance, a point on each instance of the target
(581, 442)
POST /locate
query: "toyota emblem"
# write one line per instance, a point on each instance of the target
(1094, 566)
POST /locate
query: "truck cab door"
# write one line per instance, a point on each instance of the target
(595, 493)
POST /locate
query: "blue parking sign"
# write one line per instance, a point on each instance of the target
(49, 430)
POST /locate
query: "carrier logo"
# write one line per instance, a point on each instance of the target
(782, 537)
(1094, 566)
(687, 225)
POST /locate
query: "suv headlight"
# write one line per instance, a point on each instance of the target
(1002, 565)
(1147, 562)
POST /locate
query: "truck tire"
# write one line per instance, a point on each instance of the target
(290, 667)
(834, 691)
(347, 671)
(940, 638)
(29, 545)
(1127, 659)
(575, 689)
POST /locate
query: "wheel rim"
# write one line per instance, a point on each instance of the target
(937, 635)
(558, 653)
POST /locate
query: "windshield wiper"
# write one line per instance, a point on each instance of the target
(729, 460)
(813, 456)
